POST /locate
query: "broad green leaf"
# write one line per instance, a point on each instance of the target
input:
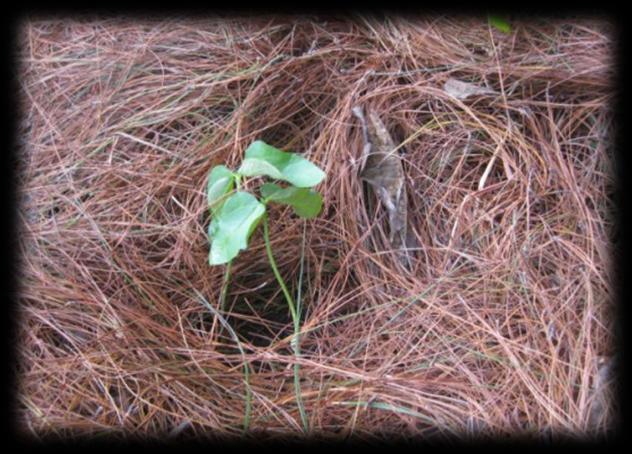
(305, 202)
(499, 23)
(232, 226)
(220, 182)
(263, 159)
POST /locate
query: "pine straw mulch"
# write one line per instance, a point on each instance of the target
(500, 327)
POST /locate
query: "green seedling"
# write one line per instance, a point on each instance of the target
(235, 215)
(499, 23)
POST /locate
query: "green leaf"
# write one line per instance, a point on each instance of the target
(220, 182)
(232, 226)
(264, 159)
(499, 23)
(305, 202)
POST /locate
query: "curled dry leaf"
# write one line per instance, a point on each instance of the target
(601, 398)
(462, 90)
(384, 172)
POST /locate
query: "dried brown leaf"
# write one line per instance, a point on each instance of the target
(462, 90)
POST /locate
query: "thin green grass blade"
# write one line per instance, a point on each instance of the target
(297, 329)
(389, 407)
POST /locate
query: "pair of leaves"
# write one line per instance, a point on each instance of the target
(237, 214)
(265, 160)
